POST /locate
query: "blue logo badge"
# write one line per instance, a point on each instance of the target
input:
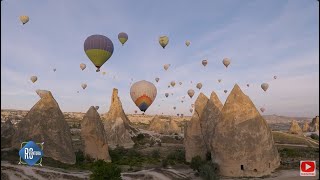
(31, 153)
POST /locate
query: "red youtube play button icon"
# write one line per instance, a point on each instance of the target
(307, 168)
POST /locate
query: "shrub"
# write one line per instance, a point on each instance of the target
(178, 156)
(103, 170)
(79, 157)
(315, 137)
(208, 156)
(140, 137)
(209, 171)
(155, 154)
(196, 162)
(164, 163)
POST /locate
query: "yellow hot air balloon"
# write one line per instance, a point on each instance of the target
(123, 37)
(33, 78)
(226, 62)
(99, 49)
(187, 43)
(24, 19)
(143, 93)
(163, 40)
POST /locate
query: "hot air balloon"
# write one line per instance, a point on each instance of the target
(187, 43)
(169, 86)
(77, 91)
(166, 66)
(225, 91)
(265, 86)
(166, 94)
(173, 83)
(143, 93)
(226, 62)
(123, 37)
(199, 86)
(163, 40)
(204, 62)
(248, 85)
(190, 93)
(157, 79)
(191, 110)
(180, 83)
(135, 111)
(219, 80)
(82, 66)
(274, 77)
(174, 108)
(97, 107)
(178, 114)
(99, 49)
(24, 19)
(192, 105)
(33, 78)
(181, 101)
(84, 85)
(191, 82)
(54, 70)
(262, 109)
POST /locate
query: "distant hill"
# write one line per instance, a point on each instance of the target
(284, 119)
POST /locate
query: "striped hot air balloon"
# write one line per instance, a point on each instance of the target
(143, 93)
(99, 49)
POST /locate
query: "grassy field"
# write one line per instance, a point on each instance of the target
(286, 138)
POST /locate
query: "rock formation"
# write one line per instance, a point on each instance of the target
(45, 123)
(295, 128)
(7, 132)
(314, 125)
(193, 139)
(158, 125)
(162, 125)
(242, 143)
(209, 118)
(93, 136)
(173, 127)
(117, 125)
(305, 127)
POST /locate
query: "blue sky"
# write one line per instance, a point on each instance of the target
(262, 39)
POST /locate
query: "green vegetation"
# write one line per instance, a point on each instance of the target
(205, 169)
(131, 157)
(285, 138)
(102, 170)
(155, 154)
(176, 157)
(315, 137)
